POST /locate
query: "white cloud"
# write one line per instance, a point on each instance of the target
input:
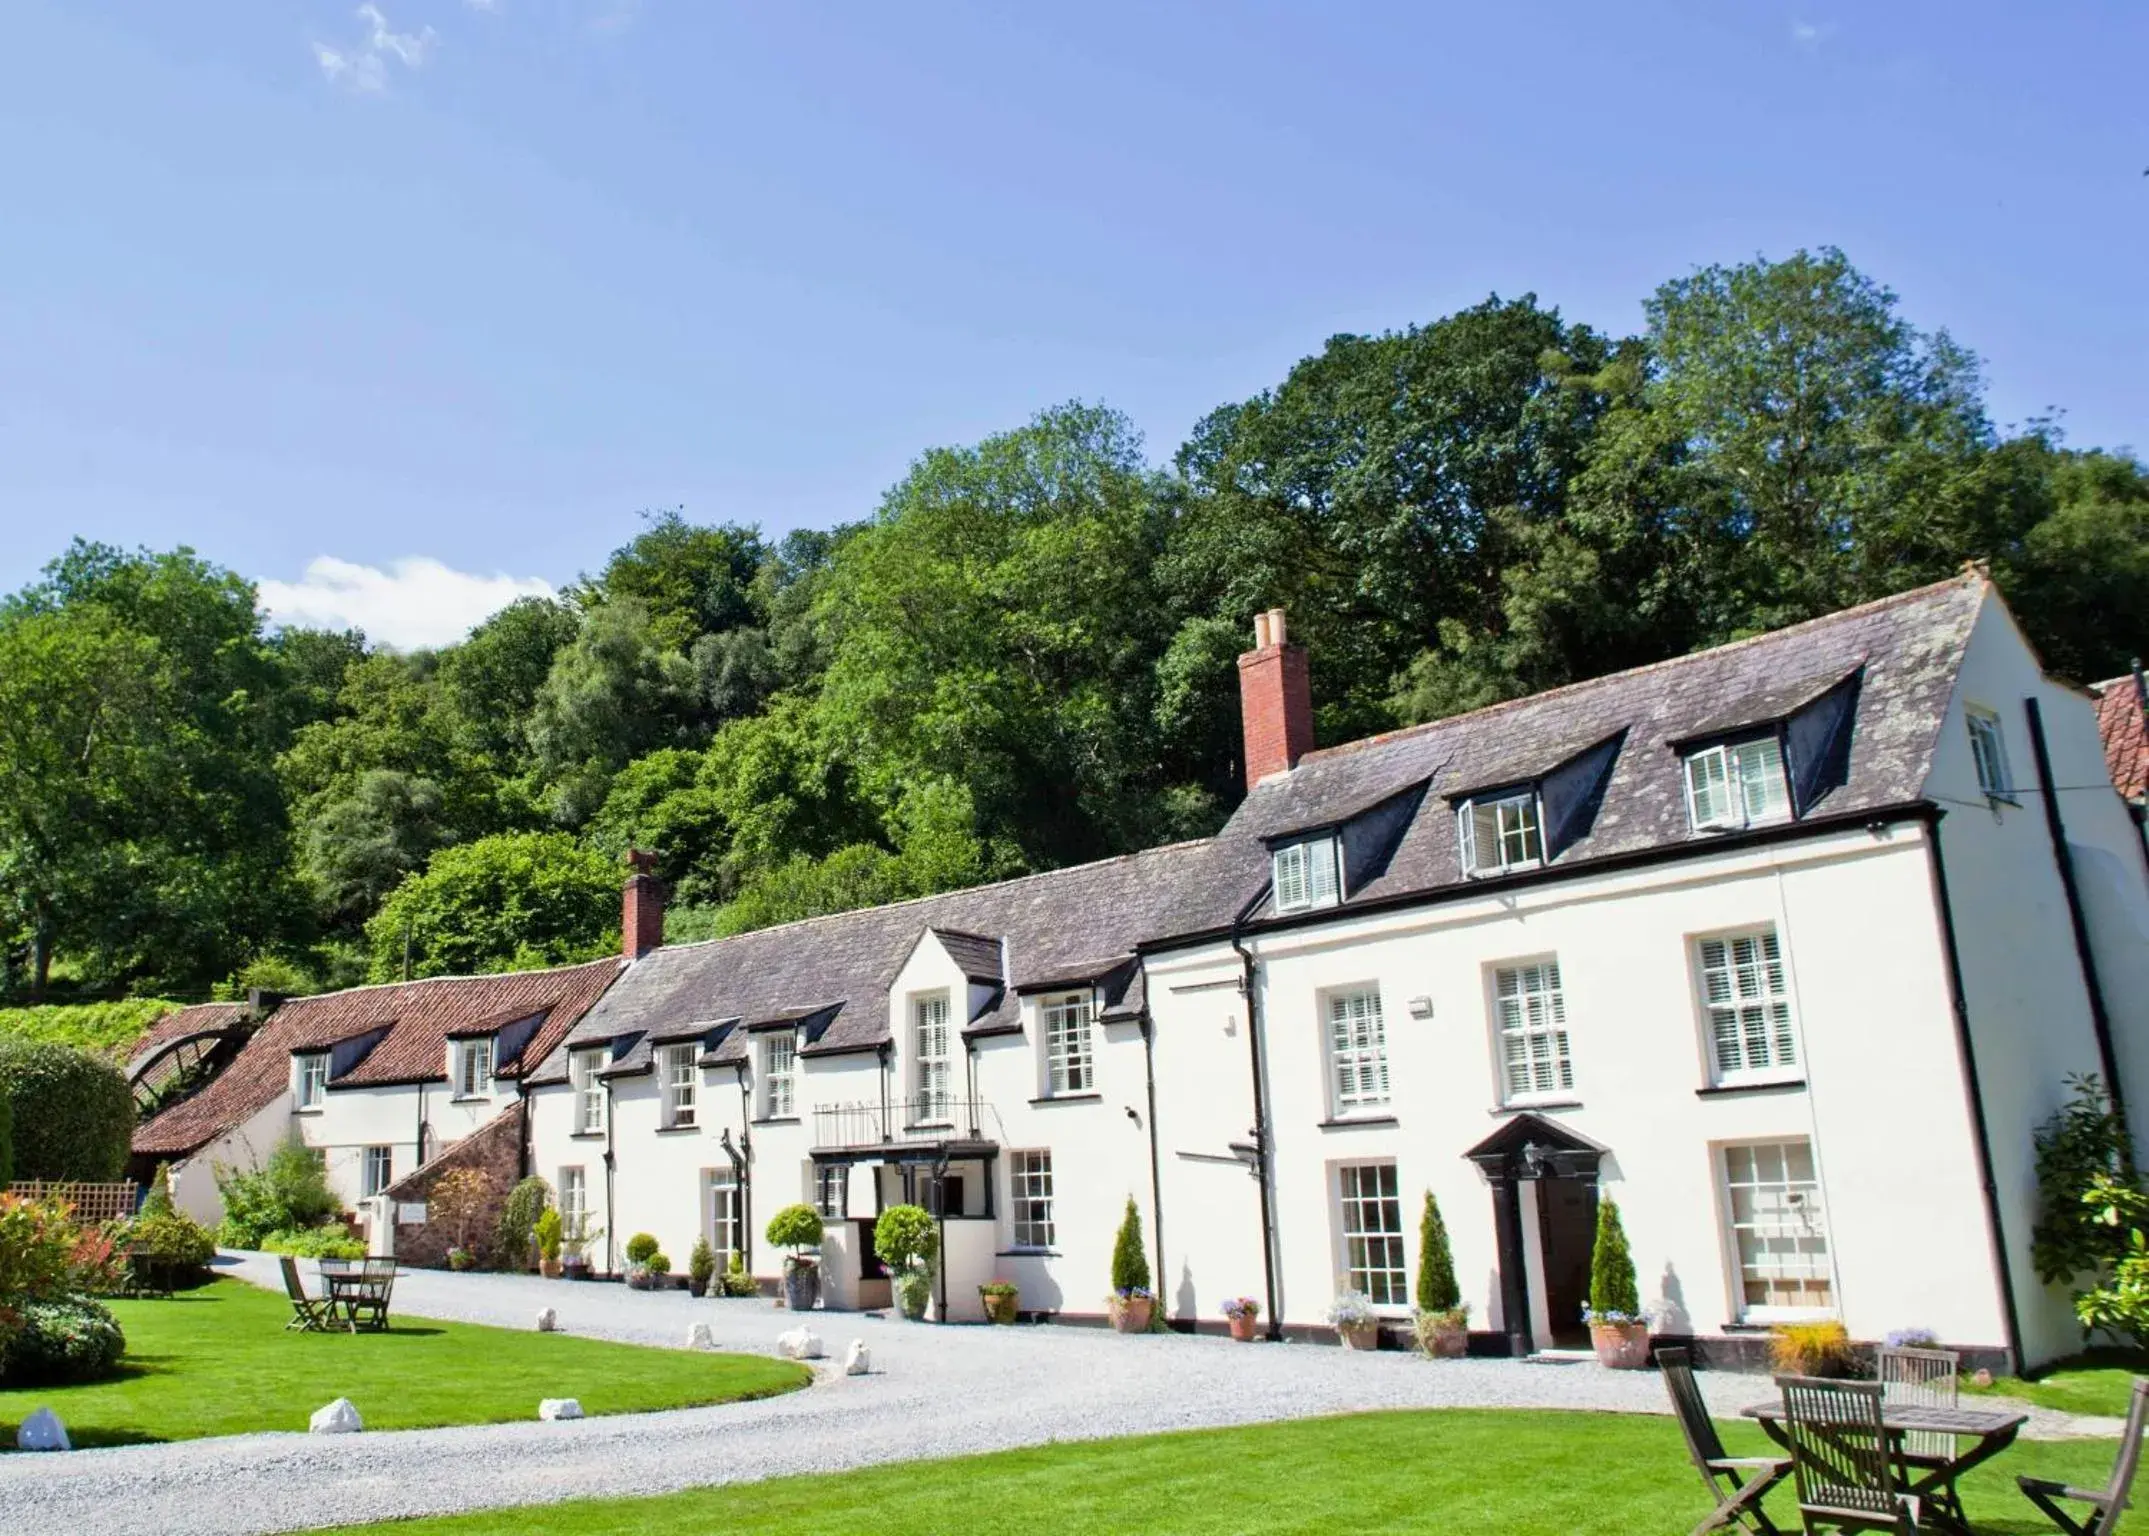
(1808, 34)
(364, 66)
(414, 602)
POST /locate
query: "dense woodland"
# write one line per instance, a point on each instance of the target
(1023, 658)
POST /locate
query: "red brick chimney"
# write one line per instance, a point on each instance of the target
(1275, 701)
(641, 907)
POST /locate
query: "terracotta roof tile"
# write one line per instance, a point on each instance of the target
(2126, 742)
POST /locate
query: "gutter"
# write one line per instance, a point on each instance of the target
(2063, 858)
(1249, 990)
(1470, 889)
(1973, 1093)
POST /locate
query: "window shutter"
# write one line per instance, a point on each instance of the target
(1320, 871)
(1290, 877)
(1708, 788)
(1466, 837)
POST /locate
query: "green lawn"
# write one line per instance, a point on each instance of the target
(1452, 1472)
(2100, 1381)
(217, 1362)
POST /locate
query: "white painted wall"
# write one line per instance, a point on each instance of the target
(246, 1146)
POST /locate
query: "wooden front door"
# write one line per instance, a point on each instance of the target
(1567, 1231)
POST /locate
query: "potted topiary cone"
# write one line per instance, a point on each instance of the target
(551, 1233)
(1442, 1323)
(798, 1227)
(1617, 1326)
(1132, 1303)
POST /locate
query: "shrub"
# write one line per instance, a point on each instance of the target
(7, 1141)
(314, 1243)
(460, 1198)
(75, 1339)
(37, 1252)
(1130, 1264)
(913, 1288)
(518, 1222)
(158, 1202)
(737, 1282)
(2082, 1145)
(640, 1247)
(1613, 1295)
(72, 1113)
(289, 1191)
(797, 1227)
(657, 1263)
(1438, 1293)
(701, 1263)
(1812, 1349)
(905, 1237)
(551, 1232)
(173, 1239)
(105, 1029)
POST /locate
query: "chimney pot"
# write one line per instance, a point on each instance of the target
(1275, 701)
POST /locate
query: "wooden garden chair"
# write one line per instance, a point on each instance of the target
(309, 1314)
(1848, 1476)
(1928, 1378)
(1737, 1483)
(369, 1300)
(2106, 1504)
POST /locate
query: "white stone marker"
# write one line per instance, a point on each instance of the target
(699, 1337)
(43, 1431)
(555, 1408)
(799, 1344)
(859, 1360)
(338, 1418)
(548, 1321)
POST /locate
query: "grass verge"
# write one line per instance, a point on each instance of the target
(2100, 1381)
(217, 1361)
(1457, 1472)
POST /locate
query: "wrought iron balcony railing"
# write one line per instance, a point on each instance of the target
(922, 1118)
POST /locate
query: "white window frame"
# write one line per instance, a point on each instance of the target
(574, 1197)
(1798, 1213)
(832, 1190)
(1029, 1200)
(1374, 1259)
(779, 1075)
(679, 1082)
(932, 1042)
(1497, 834)
(1307, 875)
(1068, 1025)
(1721, 770)
(1542, 1030)
(1988, 753)
(1742, 984)
(723, 1214)
(1356, 1038)
(310, 1087)
(376, 1170)
(588, 1090)
(468, 1056)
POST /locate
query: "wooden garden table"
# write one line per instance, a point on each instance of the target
(1992, 1429)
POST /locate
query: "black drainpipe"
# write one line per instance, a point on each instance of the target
(887, 1052)
(1156, 1178)
(611, 1119)
(1972, 1092)
(2099, 1020)
(743, 1164)
(1261, 1114)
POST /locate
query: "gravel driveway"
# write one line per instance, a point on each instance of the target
(934, 1392)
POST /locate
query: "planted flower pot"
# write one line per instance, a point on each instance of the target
(1001, 1301)
(575, 1267)
(1620, 1346)
(1131, 1313)
(913, 1290)
(801, 1286)
(1444, 1335)
(1359, 1335)
(1245, 1327)
(549, 1268)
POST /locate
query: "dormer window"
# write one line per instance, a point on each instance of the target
(472, 1067)
(312, 1079)
(1501, 832)
(1737, 785)
(779, 1074)
(1305, 875)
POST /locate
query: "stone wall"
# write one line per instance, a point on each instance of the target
(494, 1150)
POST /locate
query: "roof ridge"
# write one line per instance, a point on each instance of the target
(961, 890)
(419, 981)
(1405, 732)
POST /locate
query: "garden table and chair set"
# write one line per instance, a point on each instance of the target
(1883, 1455)
(355, 1295)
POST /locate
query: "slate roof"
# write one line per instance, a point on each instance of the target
(2126, 742)
(1089, 916)
(1906, 650)
(200, 1022)
(418, 1017)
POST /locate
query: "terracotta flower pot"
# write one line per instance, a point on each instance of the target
(549, 1268)
(1130, 1314)
(1245, 1327)
(1000, 1307)
(1360, 1335)
(1620, 1346)
(1450, 1343)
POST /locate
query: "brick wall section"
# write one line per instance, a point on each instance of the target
(641, 908)
(1275, 709)
(495, 1148)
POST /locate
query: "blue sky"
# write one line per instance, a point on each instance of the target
(440, 281)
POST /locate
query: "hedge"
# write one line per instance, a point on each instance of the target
(105, 1028)
(73, 1113)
